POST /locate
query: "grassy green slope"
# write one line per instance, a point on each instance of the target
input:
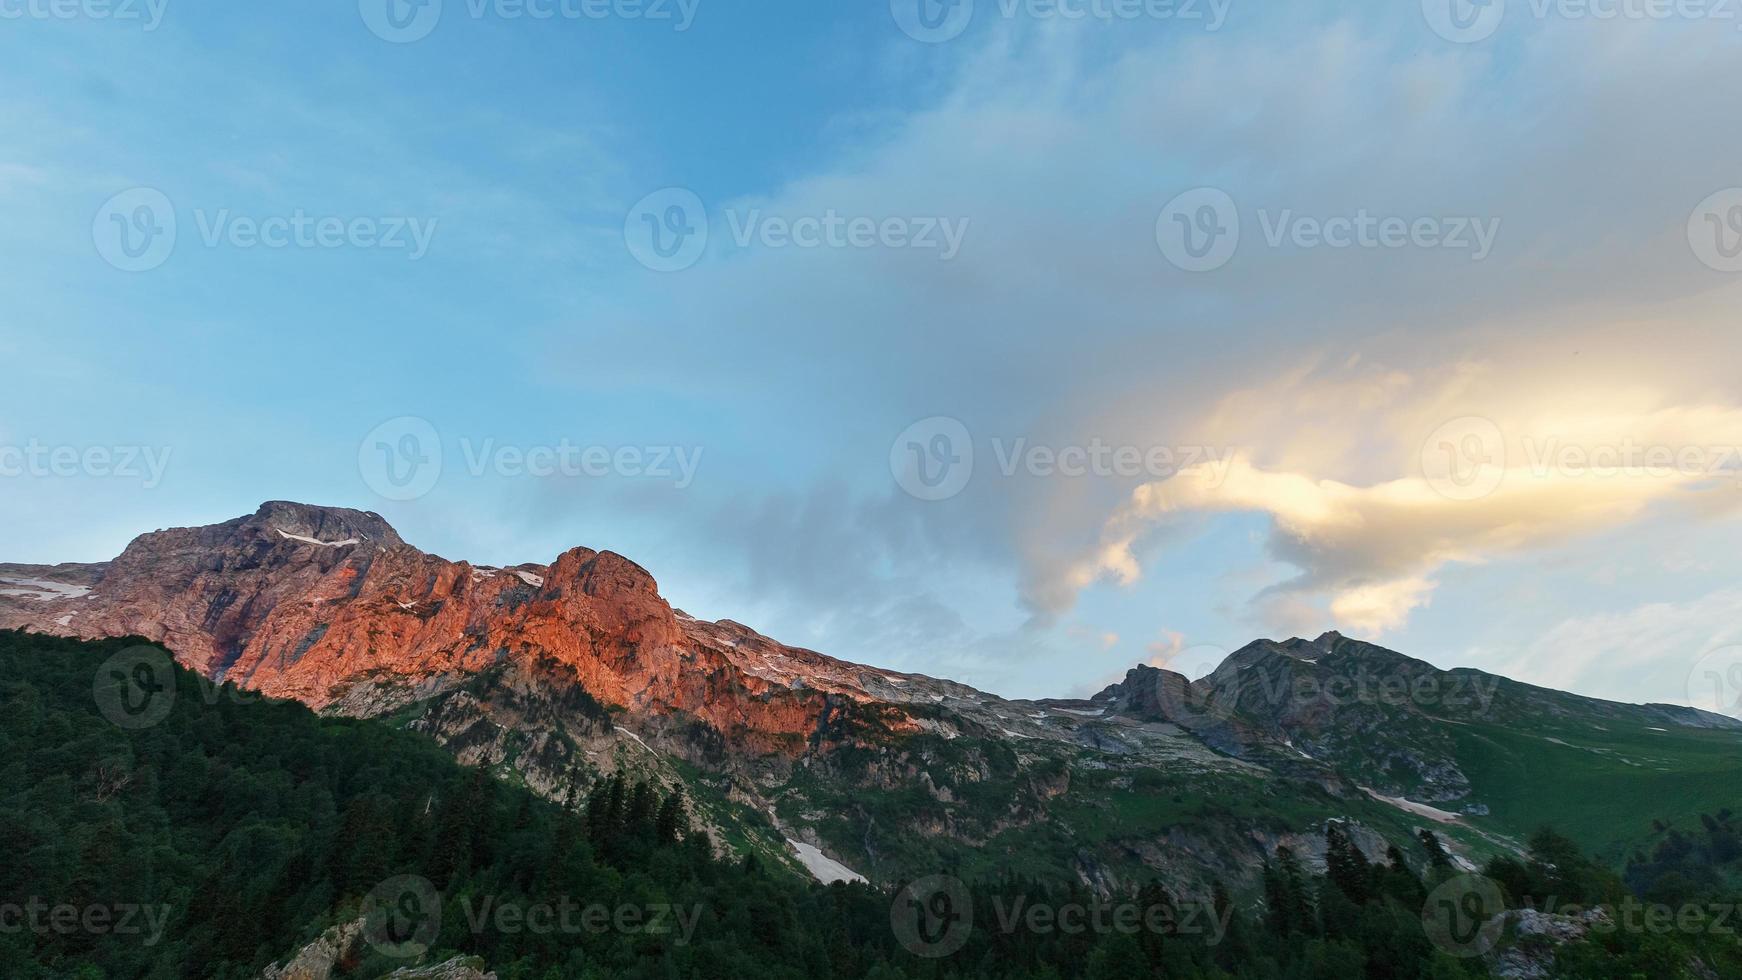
(1601, 787)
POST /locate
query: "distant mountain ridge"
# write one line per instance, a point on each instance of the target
(554, 674)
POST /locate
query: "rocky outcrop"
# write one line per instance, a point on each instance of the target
(1535, 938)
(339, 948)
(318, 960)
(458, 968)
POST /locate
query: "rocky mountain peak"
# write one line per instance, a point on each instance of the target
(603, 574)
(1145, 692)
(327, 525)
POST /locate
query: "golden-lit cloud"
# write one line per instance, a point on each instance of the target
(1543, 463)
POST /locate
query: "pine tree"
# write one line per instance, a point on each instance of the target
(1436, 853)
(638, 813)
(672, 823)
(1346, 866)
(1297, 908)
(1276, 907)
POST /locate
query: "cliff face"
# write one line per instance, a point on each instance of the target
(307, 602)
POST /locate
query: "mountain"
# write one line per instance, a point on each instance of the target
(556, 675)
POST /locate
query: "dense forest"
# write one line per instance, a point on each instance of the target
(205, 832)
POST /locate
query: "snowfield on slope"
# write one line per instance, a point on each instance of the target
(822, 867)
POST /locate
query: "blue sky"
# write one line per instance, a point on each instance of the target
(1007, 206)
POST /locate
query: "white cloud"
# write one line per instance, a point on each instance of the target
(1646, 653)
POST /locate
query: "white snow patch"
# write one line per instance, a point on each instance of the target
(1098, 712)
(65, 620)
(636, 737)
(325, 544)
(1013, 734)
(1651, 729)
(536, 581)
(43, 590)
(822, 867)
(1419, 809)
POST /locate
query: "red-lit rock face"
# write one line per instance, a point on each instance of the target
(304, 602)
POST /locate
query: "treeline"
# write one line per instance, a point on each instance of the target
(244, 828)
